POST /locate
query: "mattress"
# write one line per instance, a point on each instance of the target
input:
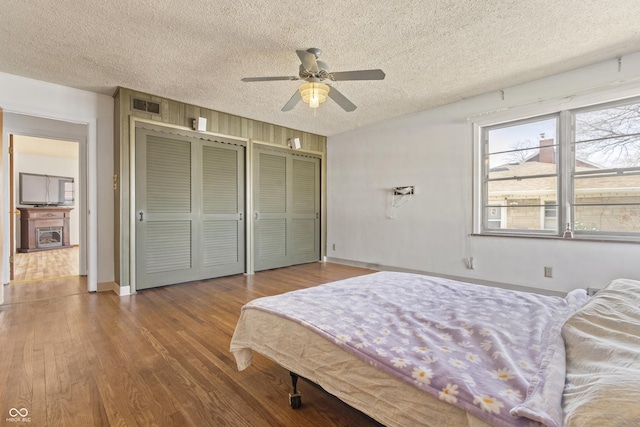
(362, 386)
(410, 349)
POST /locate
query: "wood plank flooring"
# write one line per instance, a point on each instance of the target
(45, 265)
(44, 275)
(160, 357)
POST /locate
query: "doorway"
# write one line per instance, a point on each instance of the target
(83, 135)
(44, 178)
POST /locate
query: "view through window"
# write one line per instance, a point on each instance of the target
(535, 181)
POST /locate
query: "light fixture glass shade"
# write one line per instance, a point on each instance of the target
(314, 93)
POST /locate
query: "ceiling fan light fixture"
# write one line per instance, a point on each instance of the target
(314, 93)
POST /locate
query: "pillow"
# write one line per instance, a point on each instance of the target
(602, 342)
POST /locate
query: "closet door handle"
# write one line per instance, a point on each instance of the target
(256, 215)
(141, 216)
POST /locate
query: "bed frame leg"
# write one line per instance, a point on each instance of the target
(295, 400)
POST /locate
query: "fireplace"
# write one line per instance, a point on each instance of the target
(48, 237)
(44, 228)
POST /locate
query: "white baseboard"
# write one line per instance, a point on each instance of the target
(380, 267)
(121, 290)
(113, 286)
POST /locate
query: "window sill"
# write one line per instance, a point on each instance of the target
(575, 239)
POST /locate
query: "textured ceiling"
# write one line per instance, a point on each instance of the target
(196, 51)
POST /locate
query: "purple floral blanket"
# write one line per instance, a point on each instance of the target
(493, 352)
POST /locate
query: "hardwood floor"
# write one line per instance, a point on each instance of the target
(45, 275)
(15, 293)
(160, 357)
(44, 265)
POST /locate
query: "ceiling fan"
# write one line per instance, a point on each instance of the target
(314, 72)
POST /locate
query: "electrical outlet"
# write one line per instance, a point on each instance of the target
(548, 272)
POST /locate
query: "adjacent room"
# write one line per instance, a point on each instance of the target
(366, 213)
(45, 175)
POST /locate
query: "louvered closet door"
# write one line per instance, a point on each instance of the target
(189, 209)
(287, 206)
(164, 214)
(305, 210)
(222, 251)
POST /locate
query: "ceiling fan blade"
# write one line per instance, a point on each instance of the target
(269, 79)
(358, 75)
(308, 60)
(292, 102)
(341, 100)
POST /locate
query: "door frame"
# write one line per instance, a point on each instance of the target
(88, 181)
(12, 210)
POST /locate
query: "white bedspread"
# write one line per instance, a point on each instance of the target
(603, 359)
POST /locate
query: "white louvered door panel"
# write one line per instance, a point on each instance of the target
(286, 209)
(164, 214)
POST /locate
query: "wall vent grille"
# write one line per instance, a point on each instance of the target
(146, 106)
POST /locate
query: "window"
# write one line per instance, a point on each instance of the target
(550, 215)
(68, 193)
(65, 191)
(606, 176)
(494, 217)
(521, 173)
(578, 167)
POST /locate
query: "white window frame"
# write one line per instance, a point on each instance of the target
(543, 213)
(566, 163)
(484, 229)
(503, 215)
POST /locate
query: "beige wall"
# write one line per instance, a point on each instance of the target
(616, 218)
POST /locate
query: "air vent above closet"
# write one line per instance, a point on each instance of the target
(146, 106)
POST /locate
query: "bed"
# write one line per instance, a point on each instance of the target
(411, 349)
